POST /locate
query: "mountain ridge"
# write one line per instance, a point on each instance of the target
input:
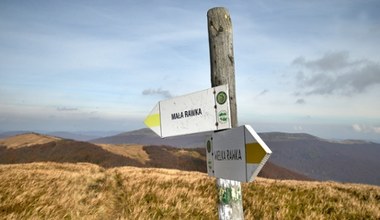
(321, 159)
(304, 154)
(109, 155)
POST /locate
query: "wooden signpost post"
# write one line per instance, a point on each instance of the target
(234, 154)
(222, 65)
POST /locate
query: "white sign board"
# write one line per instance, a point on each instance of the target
(207, 110)
(236, 154)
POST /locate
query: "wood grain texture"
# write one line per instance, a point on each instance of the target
(222, 54)
(223, 72)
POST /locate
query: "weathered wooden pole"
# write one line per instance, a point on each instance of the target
(223, 72)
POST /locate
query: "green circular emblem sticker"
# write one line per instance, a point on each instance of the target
(222, 116)
(209, 146)
(221, 98)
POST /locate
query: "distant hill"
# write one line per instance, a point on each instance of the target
(32, 147)
(147, 137)
(87, 191)
(273, 171)
(12, 133)
(73, 136)
(78, 136)
(305, 155)
(287, 137)
(44, 148)
(347, 161)
(326, 160)
(26, 140)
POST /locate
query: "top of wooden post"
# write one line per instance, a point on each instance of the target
(221, 16)
(221, 54)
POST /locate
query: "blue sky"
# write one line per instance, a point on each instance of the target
(301, 66)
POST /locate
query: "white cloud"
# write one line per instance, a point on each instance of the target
(298, 128)
(366, 128)
(357, 127)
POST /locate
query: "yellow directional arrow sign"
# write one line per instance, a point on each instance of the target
(206, 110)
(236, 154)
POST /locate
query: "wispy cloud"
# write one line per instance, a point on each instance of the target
(366, 128)
(298, 128)
(265, 91)
(66, 109)
(161, 92)
(335, 74)
(301, 101)
(262, 93)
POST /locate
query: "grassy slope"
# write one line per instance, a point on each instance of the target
(26, 140)
(77, 191)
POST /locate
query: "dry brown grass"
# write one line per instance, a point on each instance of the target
(289, 199)
(86, 191)
(26, 140)
(132, 151)
(189, 153)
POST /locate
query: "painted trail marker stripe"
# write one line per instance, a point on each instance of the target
(152, 120)
(254, 153)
